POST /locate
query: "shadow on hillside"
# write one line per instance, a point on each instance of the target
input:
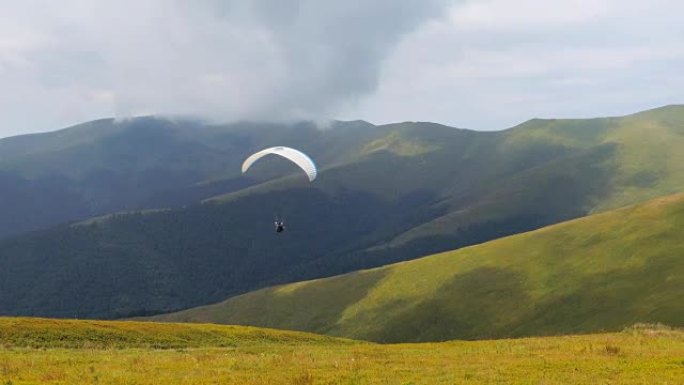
(492, 302)
(310, 306)
(612, 300)
(466, 307)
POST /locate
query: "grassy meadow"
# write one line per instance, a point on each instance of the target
(99, 352)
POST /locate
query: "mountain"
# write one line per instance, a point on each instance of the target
(602, 272)
(385, 194)
(108, 166)
(45, 333)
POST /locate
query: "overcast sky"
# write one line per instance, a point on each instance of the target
(481, 64)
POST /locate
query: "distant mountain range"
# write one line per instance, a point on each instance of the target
(107, 166)
(190, 230)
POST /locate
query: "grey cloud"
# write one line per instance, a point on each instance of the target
(383, 60)
(487, 75)
(327, 53)
(225, 60)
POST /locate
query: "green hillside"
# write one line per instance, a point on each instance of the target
(106, 166)
(593, 165)
(602, 272)
(384, 194)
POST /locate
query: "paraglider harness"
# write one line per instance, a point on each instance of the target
(279, 226)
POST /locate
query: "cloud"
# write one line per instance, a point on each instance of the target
(526, 14)
(495, 63)
(226, 60)
(482, 64)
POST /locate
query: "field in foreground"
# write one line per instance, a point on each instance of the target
(653, 355)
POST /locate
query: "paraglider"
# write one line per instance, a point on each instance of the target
(295, 156)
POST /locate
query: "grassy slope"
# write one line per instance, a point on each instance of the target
(73, 334)
(385, 194)
(602, 272)
(647, 161)
(253, 357)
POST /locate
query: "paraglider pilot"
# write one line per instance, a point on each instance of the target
(297, 157)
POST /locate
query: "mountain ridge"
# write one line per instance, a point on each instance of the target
(383, 195)
(598, 273)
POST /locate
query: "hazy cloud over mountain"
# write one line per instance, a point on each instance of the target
(272, 59)
(484, 64)
(494, 63)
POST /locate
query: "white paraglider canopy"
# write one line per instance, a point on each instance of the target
(297, 157)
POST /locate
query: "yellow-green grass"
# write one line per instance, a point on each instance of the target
(61, 333)
(636, 356)
(647, 163)
(599, 273)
